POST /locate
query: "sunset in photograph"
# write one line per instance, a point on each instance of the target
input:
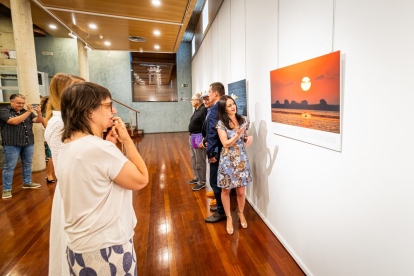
(307, 94)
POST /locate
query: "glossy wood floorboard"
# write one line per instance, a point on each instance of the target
(171, 237)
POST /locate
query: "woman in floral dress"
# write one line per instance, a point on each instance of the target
(234, 168)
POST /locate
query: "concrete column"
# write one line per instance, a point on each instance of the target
(83, 61)
(27, 70)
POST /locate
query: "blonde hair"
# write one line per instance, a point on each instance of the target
(57, 85)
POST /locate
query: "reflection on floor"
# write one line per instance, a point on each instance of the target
(171, 237)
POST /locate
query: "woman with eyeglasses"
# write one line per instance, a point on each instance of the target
(96, 183)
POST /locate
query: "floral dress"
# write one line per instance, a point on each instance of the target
(234, 167)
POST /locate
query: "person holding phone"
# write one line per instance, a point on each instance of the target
(96, 183)
(18, 140)
(234, 168)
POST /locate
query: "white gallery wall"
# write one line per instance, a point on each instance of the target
(337, 213)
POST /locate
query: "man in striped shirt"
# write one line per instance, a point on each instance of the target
(17, 139)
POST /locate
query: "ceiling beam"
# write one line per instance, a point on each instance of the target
(186, 19)
(113, 16)
(61, 22)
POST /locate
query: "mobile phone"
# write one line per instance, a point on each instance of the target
(243, 125)
(34, 105)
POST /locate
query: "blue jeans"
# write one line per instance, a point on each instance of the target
(11, 155)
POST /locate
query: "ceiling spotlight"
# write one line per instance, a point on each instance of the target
(107, 43)
(156, 32)
(52, 26)
(92, 26)
(73, 36)
(156, 2)
(101, 36)
(88, 48)
(157, 47)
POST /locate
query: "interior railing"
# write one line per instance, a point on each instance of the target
(134, 131)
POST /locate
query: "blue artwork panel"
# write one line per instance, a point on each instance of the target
(238, 91)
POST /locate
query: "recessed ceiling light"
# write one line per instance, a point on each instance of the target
(156, 2)
(156, 32)
(92, 26)
(157, 47)
(107, 43)
(52, 26)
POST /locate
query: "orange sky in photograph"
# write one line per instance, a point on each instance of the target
(323, 73)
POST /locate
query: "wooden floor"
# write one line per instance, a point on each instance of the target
(171, 237)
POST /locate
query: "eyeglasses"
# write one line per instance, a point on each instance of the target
(110, 104)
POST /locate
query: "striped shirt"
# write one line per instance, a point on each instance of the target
(19, 135)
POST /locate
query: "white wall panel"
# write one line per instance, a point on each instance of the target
(207, 65)
(194, 79)
(337, 213)
(305, 30)
(201, 62)
(238, 40)
(214, 51)
(223, 38)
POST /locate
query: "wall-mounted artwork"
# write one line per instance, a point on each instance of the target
(306, 101)
(238, 91)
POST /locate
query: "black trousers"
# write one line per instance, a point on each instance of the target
(213, 183)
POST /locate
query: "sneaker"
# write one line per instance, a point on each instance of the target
(193, 181)
(31, 185)
(199, 186)
(7, 194)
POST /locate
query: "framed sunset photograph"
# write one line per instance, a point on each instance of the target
(307, 95)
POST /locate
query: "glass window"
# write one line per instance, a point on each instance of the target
(205, 16)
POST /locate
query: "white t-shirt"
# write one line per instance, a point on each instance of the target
(98, 212)
(53, 135)
(58, 264)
